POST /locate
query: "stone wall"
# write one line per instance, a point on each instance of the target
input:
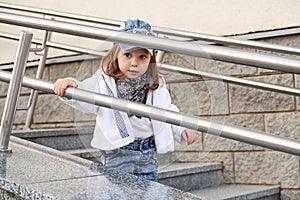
(225, 103)
(242, 106)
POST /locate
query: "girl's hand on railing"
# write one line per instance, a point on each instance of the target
(189, 136)
(61, 85)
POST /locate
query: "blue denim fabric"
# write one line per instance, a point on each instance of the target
(137, 158)
(141, 145)
(132, 24)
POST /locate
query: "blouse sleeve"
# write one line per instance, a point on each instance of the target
(90, 84)
(177, 130)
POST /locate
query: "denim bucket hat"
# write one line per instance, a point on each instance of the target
(139, 27)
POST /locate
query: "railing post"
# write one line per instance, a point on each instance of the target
(34, 93)
(14, 90)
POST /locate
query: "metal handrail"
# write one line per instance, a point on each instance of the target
(234, 80)
(170, 68)
(187, 48)
(62, 14)
(57, 45)
(161, 30)
(14, 90)
(177, 118)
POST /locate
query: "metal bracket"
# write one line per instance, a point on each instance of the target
(44, 42)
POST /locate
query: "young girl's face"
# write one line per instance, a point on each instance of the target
(134, 63)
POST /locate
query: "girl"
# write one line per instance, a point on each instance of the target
(126, 141)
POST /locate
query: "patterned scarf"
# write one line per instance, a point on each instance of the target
(133, 89)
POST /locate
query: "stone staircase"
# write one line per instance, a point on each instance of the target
(201, 179)
(60, 139)
(205, 180)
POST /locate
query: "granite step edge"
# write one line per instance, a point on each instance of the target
(237, 191)
(39, 133)
(175, 169)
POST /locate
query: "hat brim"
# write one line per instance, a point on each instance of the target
(126, 47)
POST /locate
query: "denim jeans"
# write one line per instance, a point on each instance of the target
(136, 158)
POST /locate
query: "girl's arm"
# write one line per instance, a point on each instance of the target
(181, 134)
(90, 84)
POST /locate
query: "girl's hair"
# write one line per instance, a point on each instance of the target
(109, 65)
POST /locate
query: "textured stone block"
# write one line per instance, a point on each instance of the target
(267, 168)
(86, 69)
(173, 59)
(290, 194)
(178, 60)
(246, 99)
(224, 68)
(284, 124)
(206, 64)
(78, 70)
(200, 98)
(2, 103)
(50, 109)
(217, 143)
(226, 158)
(63, 70)
(3, 89)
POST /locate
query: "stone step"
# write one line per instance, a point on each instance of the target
(36, 172)
(201, 179)
(183, 176)
(60, 139)
(236, 192)
(189, 176)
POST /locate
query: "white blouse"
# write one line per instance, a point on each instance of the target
(142, 127)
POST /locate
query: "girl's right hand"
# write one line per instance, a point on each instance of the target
(61, 85)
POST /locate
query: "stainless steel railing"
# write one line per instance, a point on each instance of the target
(186, 48)
(161, 30)
(195, 73)
(177, 118)
(170, 68)
(56, 45)
(14, 90)
(224, 54)
(234, 80)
